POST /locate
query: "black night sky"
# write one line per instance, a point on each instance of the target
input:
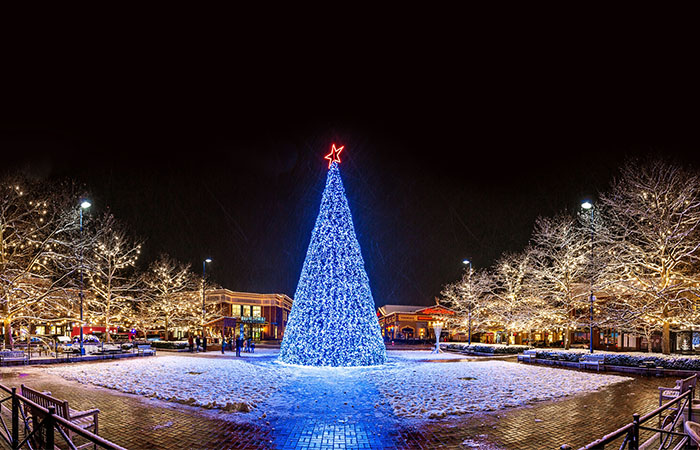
(445, 157)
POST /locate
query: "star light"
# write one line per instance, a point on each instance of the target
(334, 155)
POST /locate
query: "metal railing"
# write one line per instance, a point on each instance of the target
(42, 428)
(668, 432)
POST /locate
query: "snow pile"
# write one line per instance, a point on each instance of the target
(228, 384)
(414, 384)
(435, 390)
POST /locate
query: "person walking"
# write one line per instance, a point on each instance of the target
(197, 341)
(204, 343)
(238, 346)
(190, 342)
(223, 343)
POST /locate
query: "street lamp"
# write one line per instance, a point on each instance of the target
(466, 261)
(589, 207)
(437, 327)
(84, 204)
(204, 280)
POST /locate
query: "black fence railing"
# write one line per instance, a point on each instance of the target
(668, 432)
(27, 425)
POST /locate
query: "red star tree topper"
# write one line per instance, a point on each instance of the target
(334, 155)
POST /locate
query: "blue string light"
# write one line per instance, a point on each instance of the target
(333, 321)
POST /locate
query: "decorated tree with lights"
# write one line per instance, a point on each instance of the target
(38, 248)
(471, 299)
(653, 211)
(333, 320)
(513, 305)
(171, 293)
(109, 268)
(560, 263)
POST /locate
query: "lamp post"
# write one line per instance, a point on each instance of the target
(84, 204)
(469, 311)
(589, 206)
(204, 280)
(437, 327)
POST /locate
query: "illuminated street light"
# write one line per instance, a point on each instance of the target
(589, 207)
(204, 280)
(84, 204)
(466, 261)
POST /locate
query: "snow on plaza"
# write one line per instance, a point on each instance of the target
(414, 384)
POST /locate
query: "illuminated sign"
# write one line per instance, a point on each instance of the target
(248, 319)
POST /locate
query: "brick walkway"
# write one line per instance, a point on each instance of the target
(335, 414)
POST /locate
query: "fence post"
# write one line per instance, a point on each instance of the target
(15, 418)
(634, 443)
(690, 404)
(49, 427)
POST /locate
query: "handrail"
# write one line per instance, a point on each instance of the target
(633, 428)
(58, 420)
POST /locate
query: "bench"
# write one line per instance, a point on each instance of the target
(527, 356)
(13, 355)
(591, 360)
(667, 394)
(145, 349)
(86, 420)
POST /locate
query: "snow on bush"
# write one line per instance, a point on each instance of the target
(463, 347)
(629, 359)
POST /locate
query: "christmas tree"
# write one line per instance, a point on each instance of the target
(333, 321)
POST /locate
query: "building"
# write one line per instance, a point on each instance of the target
(411, 322)
(263, 316)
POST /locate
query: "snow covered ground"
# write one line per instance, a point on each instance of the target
(410, 384)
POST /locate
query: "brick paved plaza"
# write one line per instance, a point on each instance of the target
(328, 413)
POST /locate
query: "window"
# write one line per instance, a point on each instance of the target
(256, 311)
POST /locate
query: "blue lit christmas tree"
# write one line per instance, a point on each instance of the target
(333, 321)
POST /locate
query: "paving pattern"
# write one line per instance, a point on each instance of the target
(330, 413)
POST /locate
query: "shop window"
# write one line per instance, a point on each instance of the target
(256, 311)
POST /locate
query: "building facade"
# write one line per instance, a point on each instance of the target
(411, 322)
(263, 316)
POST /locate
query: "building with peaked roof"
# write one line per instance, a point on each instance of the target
(412, 322)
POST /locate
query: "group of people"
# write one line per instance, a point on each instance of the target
(247, 344)
(192, 341)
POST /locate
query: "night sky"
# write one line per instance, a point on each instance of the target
(439, 164)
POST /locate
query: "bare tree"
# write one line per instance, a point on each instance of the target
(173, 292)
(110, 262)
(654, 217)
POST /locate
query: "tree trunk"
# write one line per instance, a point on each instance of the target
(666, 339)
(649, 346)
(567, 338)
(9, 342)
(167, 328)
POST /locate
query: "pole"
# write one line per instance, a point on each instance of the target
(591, 281)
(82, 350)
(470, 326)
(204, 273)
(470, 302)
